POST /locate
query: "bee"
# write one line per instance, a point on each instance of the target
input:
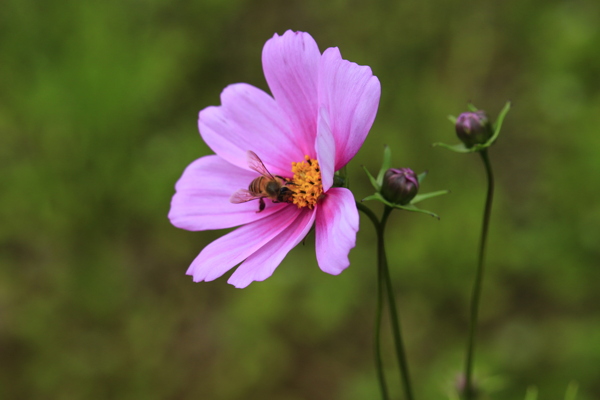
(266, 186)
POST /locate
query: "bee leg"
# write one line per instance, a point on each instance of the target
(285, 180)
(285, 195)
(261, 204)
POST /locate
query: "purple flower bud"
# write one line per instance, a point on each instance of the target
(473, 128)
(400, 186)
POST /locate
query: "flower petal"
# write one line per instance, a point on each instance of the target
(201, 200)
(291, 67)
(336, 227)
(249, 119)
(325, 146)
(260, 265)
(229, 250)
(351, 94)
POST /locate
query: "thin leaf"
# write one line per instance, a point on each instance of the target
(452, 119)
(377, 196)
(382, 199)
(371, 197)
(472, 107)
(420, 197)
(373, 180)
(421, 177)
(459, 148)
(386, 164)
(498, 124)
(410, 207)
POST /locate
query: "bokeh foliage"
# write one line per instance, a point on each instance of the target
(98, 108)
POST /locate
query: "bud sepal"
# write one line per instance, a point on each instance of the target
(476, 147)
(406, 201)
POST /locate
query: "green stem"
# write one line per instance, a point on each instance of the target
(378, 312)
(469, 392)
(400, 353)
(383, 277)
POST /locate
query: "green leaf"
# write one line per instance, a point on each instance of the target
(377, 196)
(452, 119)
(383, 200)
(373, 180)
(425, 196)
(371, 197)
(459, 148)
(421, 176)
(472, 107)
(410, 207)
(498, 123)
(386, 164)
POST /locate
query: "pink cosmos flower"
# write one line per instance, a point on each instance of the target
(318, 117)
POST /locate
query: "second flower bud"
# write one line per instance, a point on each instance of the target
(473, 128)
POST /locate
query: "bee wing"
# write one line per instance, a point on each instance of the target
(242, 196)
(256, 164)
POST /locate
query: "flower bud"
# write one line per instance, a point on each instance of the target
(473, 128)
(400, 186)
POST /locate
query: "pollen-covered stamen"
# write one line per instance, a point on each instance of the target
(306, 183)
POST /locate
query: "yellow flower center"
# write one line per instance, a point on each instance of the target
(306, 183)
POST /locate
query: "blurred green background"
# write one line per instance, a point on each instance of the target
(98, 110)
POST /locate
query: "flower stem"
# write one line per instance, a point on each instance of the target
(400, 353)
(378, 312)
(383, 277)
(469, 392)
